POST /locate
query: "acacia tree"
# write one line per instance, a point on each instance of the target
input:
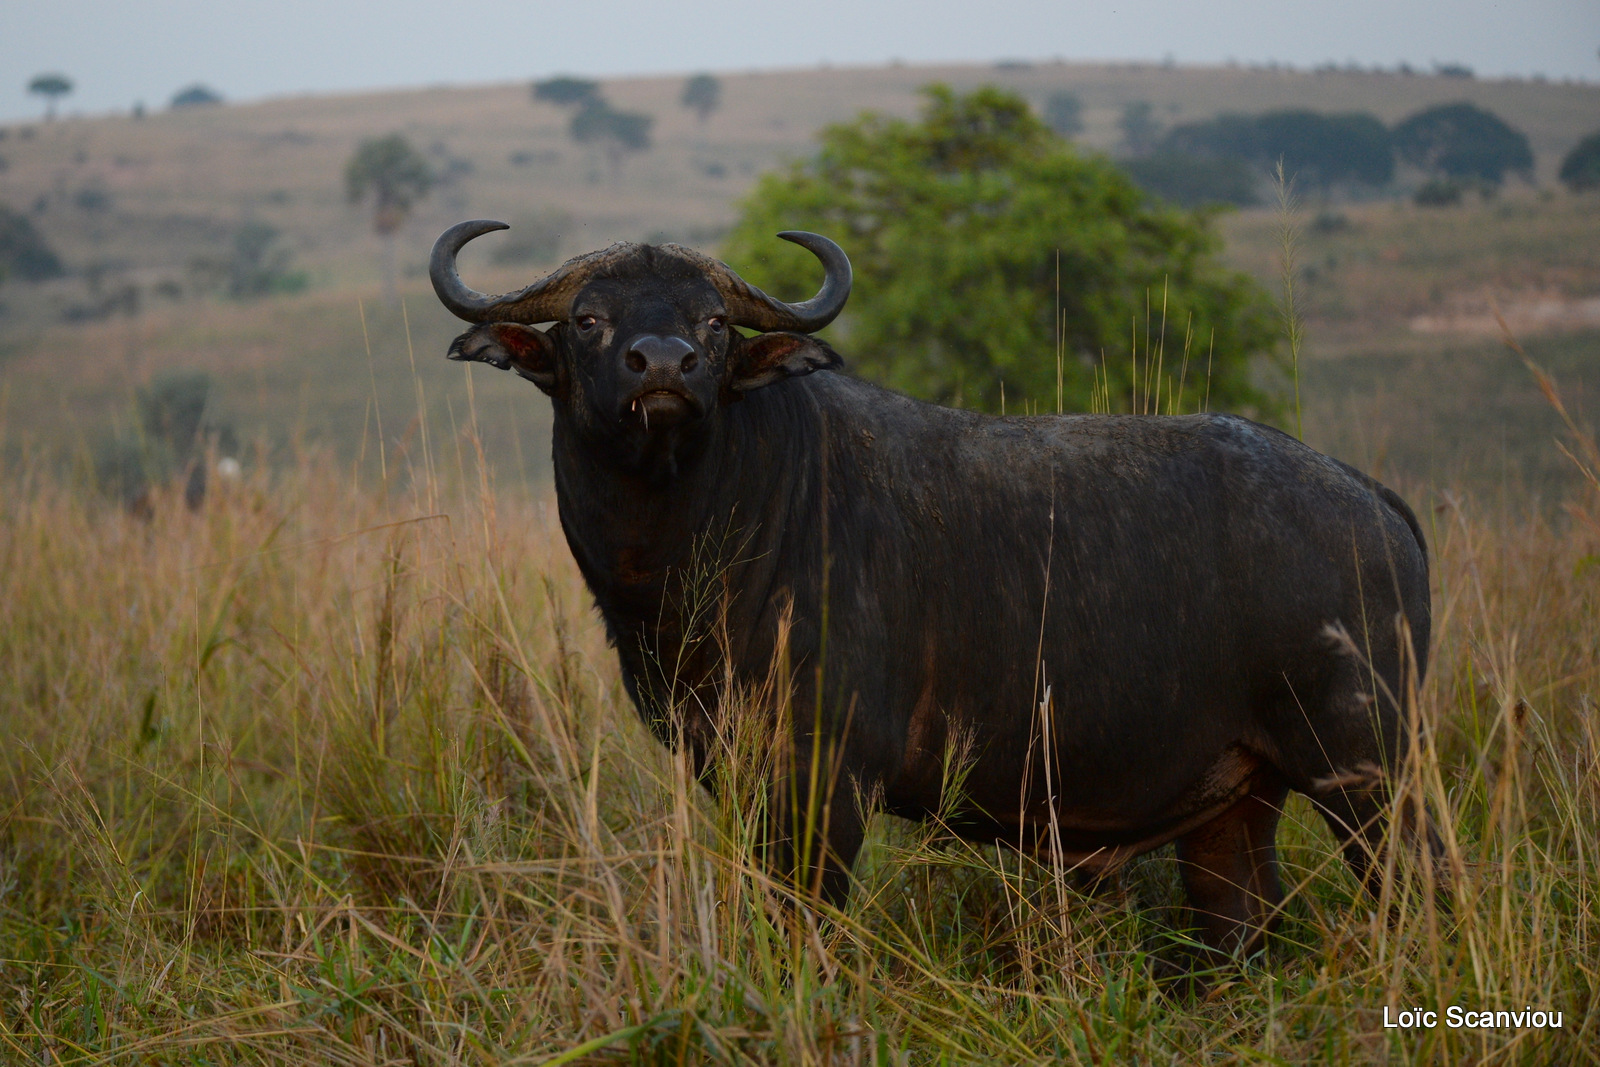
(395, 176)
(52, 87)
(968, 230)
(702, 94)
(1461, 141)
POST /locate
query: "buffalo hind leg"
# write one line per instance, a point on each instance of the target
(1230, 870)
(1357, 812)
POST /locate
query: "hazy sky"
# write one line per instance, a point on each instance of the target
(122, 51)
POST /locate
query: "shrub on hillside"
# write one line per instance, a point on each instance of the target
(970, 228)
(24, 253)
(1440, 192)
(1580, 170)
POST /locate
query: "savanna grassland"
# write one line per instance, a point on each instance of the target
(329, 772)
(337, 767)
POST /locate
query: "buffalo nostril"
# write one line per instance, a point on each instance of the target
(689, 362)
(635, 361)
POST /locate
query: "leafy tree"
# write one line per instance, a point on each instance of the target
(970, 227)
(52, 87)
(1320, 149)
(566, 91)
(1327, 149)
(1227, 136)
(195, 95)
(617, 132)
(1138, 126)
(1063, 113)
(702, 94)
(1580, 170)
(23, 251)
(395, 176)
(1464, 142)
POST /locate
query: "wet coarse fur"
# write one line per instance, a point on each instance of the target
(1139, 629)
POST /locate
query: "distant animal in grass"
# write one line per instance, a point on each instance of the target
(1145, 629)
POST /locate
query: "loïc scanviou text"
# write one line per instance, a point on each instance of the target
(1457, 1018)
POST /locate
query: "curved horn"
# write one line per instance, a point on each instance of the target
(544, 301)
(749, 306)
(453, 293)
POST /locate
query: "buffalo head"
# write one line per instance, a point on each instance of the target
(642, 351)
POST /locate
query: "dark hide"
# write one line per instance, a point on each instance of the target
(1177, 585)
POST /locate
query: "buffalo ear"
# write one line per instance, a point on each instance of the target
(510, 346)
(770, 357)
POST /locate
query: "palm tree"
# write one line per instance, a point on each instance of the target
(396, 176)
(51, 87)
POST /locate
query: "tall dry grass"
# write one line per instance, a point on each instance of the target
(329, 773)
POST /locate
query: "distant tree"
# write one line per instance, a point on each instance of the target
(1194, 181)
(1462, 141)
(259, 265)
(1138, 126)
(566, 91)
(23, 251)
(979, 238)
(1226, 136)
(617, 132)
(52, 87)
(1453, 70)
(394, 176)
(1320, 149)
(702, 94)
(1580, 170)
(1327, 149)
(1063, 113)
(195, 95)
(1439, 192)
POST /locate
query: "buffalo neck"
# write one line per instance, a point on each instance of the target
(639, 532)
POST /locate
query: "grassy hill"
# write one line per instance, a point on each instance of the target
(149, 206)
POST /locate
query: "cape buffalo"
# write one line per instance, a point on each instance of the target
(1147, 629)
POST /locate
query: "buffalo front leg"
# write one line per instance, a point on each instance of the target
(812, 832)
(1230, 870)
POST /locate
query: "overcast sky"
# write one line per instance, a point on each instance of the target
(122, 51)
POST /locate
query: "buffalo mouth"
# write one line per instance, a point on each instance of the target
(662, 408)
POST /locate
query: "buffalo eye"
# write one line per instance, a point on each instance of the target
(717, 323)
(586, 323)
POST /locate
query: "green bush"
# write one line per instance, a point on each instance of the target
(1440, 192)
(24, 251)
(968, 230)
